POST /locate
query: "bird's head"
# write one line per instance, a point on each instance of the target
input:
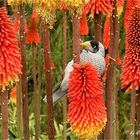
(94, 47)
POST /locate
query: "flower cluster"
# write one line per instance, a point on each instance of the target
(10, 59)
(129, 9)
(120, 4)
(33, 35)
(83, 25)
(97, 6)
(15, 3)
(75, 6)
(16, 23)
(13, 95)
(47, 10)
(87, 112)
(133, 33)
(107, 25)
(131, 66)
(63, 5)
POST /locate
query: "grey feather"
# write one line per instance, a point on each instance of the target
(57, 94)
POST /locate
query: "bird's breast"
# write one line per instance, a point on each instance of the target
(95, 59)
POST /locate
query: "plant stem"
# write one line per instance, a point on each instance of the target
(39, 78)
(64, 99)
(48, 83)
(98, 27)
(4, 107)
(19, 109)
(5, 3)
(76, 38)
(138, 112)
(110, 82)
(98, 36)
(132, 116)
(115, 109)
(36, 97)
(24, 76)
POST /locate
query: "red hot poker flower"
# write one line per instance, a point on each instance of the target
(33, 35)
(17, 23)
(10, 59)
(13, 95)
(87, 112)
(63, 6)
(120, 4)
(133, 33)
(96, 6)
(131, 66)
(83, 25)
(130, 4)
(106, 38)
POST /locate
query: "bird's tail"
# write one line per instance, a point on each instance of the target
(57, 94)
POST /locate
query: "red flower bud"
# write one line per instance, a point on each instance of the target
(33, 35)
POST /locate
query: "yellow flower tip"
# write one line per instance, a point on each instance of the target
(76, 5)
(90, 131)
(10, 81)
(18, 2)
(13, 95)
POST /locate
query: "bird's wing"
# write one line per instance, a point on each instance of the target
(68, 69)
(61, 89)
(57, 94)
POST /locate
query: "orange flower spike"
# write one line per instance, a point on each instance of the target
(63, 5)
(96, 6)
(118, 60)
(83, 25)
(87, 112)
(133, 33)
(130, 4)
(106, 37)
(131, 66)
(13, 95)
(120, 4)
(33, 35)
(16, 23)
(10, 58)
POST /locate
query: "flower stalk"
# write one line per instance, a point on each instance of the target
(64, 100)
(24, 76)
(4, 107)
(138, 111)
(76, 38)
(48, 82)
(98, 27)
(36, 94)
(111, 78)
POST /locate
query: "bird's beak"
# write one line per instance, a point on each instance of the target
(85, 45)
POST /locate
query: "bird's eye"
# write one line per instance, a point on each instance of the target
(94, 49)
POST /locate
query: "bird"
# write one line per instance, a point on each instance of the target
(92, 51)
